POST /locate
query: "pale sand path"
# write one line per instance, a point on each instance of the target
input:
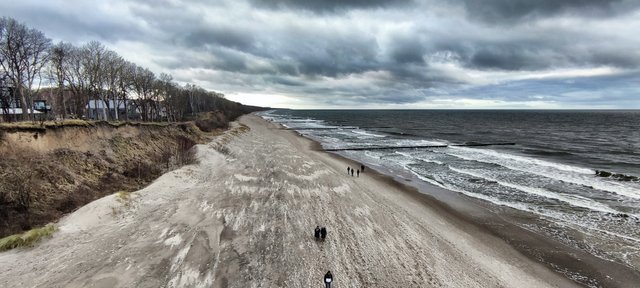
(246, 219)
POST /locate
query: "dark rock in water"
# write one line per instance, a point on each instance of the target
(622, 215)
(603, 173)
(616, 176)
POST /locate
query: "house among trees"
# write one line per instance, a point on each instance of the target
(97, 109)
(10, 107)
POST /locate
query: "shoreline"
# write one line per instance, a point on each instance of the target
(574, 264)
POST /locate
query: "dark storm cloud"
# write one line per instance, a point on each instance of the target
(500, 11)
(284, 81)
(292, 51)
(407, 49)
(540, 56)
(512, 57)
(329, 5)
(223, 36)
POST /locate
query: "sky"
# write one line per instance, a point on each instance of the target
(370, 54)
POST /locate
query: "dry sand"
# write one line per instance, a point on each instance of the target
(245, 218)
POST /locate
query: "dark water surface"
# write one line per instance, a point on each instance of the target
(550, 172)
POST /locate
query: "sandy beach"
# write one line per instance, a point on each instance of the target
(244, 217)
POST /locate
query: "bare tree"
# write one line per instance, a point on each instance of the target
(166, 89)
(125, 84)
(24, 53)
(95, 60)
(5, 92)
(77, 78)
(112, 68)
(143, 82)
(18, 187)
(59, 57)
(3, 24)
(115, 71)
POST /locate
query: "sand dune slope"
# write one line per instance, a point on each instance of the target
(245, 218)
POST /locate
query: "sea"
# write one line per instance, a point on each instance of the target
(552, 170)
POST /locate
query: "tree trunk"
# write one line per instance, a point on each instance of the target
(126, 111)
(61, 100)
(23, 104)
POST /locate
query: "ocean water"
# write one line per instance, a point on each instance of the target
(549, 172)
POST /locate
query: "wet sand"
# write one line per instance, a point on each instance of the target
(244, 217)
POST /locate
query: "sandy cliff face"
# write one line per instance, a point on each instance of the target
(45, 173)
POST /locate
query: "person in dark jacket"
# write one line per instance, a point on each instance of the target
(362, 168)
(358, 173)
(323, 233)
(328, 278)
(348, 170)
(316, 233)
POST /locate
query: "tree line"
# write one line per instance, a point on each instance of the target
(78, 75)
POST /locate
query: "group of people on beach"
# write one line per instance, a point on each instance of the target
(357, 171)
(320, 233)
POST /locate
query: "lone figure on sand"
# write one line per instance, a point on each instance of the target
(362, 168)
(316, 233)
(323, 233)
(328, 278)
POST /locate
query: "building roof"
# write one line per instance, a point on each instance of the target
(18, 111)
(99, 104)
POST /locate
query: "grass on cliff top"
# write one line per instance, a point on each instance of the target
(43, 125)
(37, 125)
(26, 239)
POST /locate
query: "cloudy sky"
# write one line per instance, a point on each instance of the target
(370, 53)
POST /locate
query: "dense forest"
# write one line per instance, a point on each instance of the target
(91, 82)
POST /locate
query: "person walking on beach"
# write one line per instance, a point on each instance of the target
(358, 173)
(348, 170)
(316, 233)
(352, 172)
(362, 168)
(323, 233)
(328, 278)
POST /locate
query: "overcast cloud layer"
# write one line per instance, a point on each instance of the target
(370, 53)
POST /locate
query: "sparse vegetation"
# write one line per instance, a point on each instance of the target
(123, 197)
(221, 144)
(210, 121)
(26, 239)
(224, 150)
(17, 187)
(239, 130)
(39, 186)
(185, 153)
